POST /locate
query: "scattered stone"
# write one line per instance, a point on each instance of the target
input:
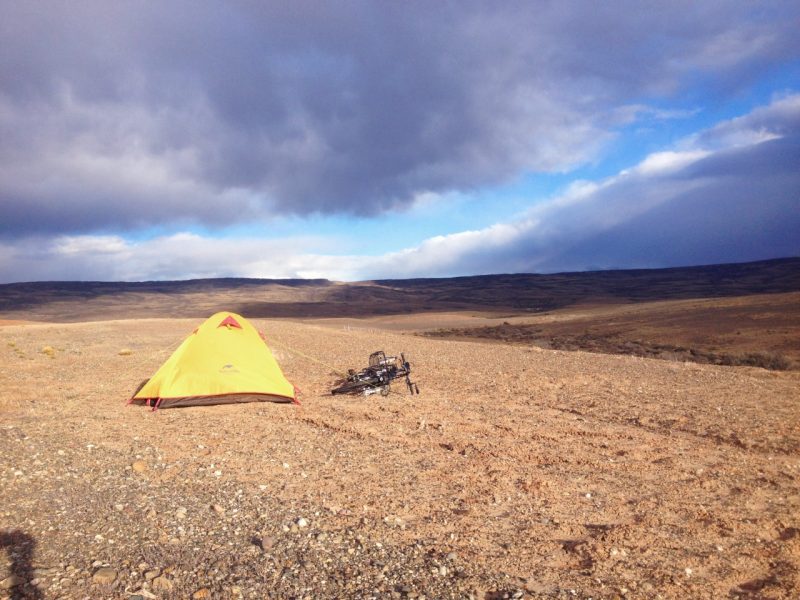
(535, 587)
(442, 570)
(395, 521)
(139, 466)
(301, 522)
(201, 593)
(10, 582)
(150, 575)
(162, 583)
(181, 513)
(104, 576)
(119, 507)
(218, 509)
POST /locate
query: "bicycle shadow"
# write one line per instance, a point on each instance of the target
(19, 546)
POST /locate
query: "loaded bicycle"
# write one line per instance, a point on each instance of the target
(377, 377)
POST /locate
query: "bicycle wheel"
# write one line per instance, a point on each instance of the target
(351, 387)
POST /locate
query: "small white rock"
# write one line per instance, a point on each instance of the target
(688, 572)
(301, 522)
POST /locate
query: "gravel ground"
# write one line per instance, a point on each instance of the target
(517, 472)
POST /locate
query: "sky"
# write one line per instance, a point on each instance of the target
(373, 140)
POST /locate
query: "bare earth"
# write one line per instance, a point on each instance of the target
(516, 472)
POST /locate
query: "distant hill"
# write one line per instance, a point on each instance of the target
(265, 298)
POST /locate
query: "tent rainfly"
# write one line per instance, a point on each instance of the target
(224, 360)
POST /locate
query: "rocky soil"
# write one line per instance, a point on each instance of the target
(517, 472)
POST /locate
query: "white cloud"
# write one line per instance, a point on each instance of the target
(664, 163)
(89, 244)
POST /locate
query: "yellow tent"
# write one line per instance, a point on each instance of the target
(224, 360)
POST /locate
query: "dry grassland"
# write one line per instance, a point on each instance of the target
(756, 330)
(516, 472)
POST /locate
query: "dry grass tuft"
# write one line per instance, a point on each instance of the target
(774, 361)
(125, 352)
(49, 351)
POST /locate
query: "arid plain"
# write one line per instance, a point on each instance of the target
(519, 470)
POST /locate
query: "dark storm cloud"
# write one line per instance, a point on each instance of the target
(730, 194)
(121, 115)
(746, 208)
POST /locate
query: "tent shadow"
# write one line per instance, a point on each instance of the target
(19, 546)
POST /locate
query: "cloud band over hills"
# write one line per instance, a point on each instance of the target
(727, 194)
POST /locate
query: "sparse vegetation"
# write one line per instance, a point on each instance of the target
(774, 361)
(590, 342)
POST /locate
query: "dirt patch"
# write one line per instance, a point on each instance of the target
(517, 471)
